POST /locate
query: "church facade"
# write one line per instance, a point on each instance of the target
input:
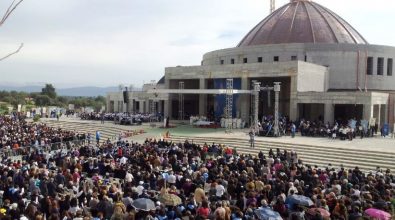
(327, 70)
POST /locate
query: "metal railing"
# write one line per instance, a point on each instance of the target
(53, 147)
(64, 145)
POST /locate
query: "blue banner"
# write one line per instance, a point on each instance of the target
(220, 100)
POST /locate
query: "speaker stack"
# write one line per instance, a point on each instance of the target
(125, 97)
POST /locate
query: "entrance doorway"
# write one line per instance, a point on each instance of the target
(311, 112)
(345, 112)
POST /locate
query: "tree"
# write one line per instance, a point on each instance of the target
(61, 101)
(3, 108)
(49, 90)
(7, 13)
(43, 100)
(100, 99)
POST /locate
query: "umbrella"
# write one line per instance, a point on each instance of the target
(169, 199)
(143, 204)
(301, 200)
(264, 213)
(324, 213)
(377, 213)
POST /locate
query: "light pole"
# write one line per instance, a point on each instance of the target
(257, 89)
(255, 92)
(277, 88)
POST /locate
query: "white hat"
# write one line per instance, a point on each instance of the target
(14, 206)
(141, 182)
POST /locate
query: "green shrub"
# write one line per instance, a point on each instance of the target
(36, 118)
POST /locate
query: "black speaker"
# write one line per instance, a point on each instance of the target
(125, 96)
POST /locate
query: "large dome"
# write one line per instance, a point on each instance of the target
(302, 21)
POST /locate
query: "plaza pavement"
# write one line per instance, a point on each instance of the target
(376, 143)
(367, 153)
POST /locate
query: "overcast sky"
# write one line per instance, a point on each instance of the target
(108, 42)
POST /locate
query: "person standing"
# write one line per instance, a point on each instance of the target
(293, 130)
(361, 130)
(167, 121)
(252, 138)
(97, 137)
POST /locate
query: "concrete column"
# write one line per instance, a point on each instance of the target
(166, 108)
(329, 113)
(147, 106)
(124, 106)
(115, 106)
(293, 104)
(118, 106)
(367, 112)
(202, 98)
(108, 103)
(131, 104)
(384, 114)
(374, 67)
(167, 103)
(141, 106)
(244, 99)
(378, 118)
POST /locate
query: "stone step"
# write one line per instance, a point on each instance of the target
(328, 156)
(91, 125)
(323, 162)
(299, 147)
(230, 141)
(338, 155)
(350, 162)
(82, 125)
(309, 155)
(92, 131)
(106, 132)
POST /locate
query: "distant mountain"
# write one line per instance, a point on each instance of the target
(86, 91)
(21, 88)
(77, 91)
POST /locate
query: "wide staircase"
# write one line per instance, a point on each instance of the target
(107, 130)
(309, 154)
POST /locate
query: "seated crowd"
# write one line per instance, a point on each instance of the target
(102, 181)
(15, 132)
(318, 128)
(115, 116)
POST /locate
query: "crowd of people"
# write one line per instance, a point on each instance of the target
(318, 128)
(347, 131)
(16, 133)
(121, 118)
(107, 180)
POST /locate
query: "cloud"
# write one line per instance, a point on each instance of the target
(101, 42)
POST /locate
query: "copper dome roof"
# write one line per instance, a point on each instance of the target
(302, 21)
